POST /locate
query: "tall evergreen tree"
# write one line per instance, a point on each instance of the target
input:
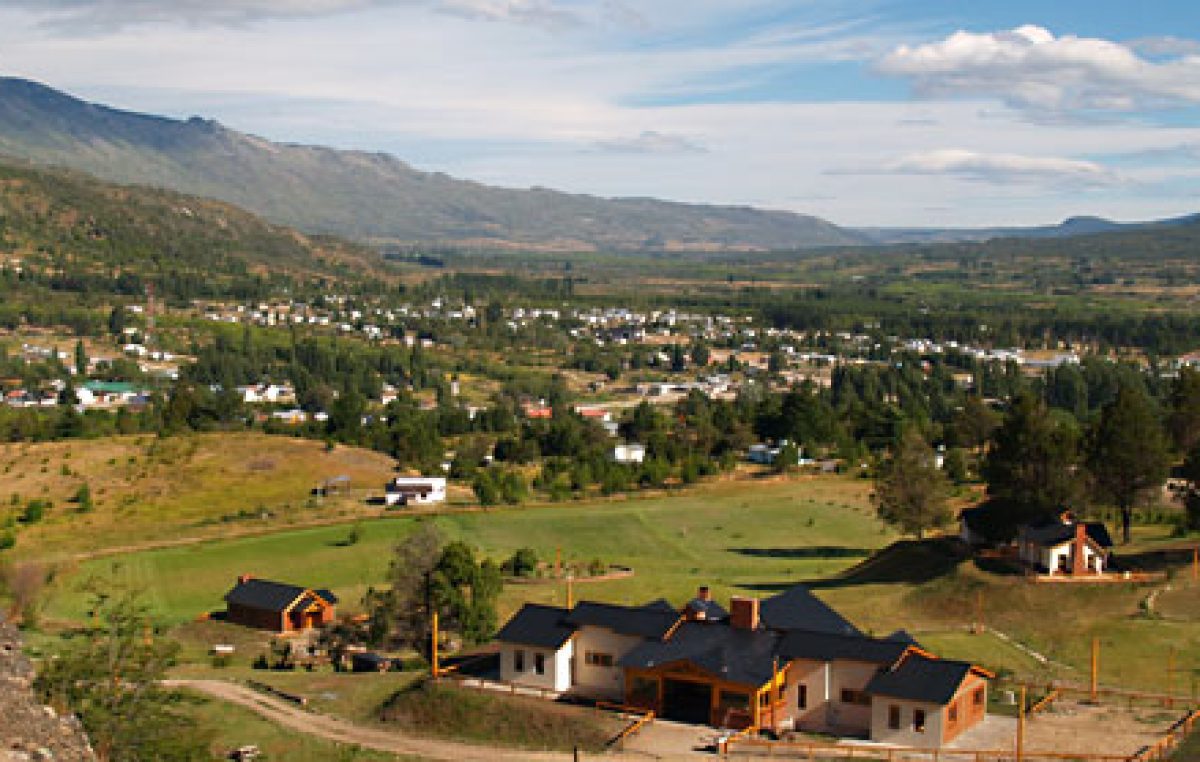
(1127, 452)
(1031, 465)
(911, 490)
(1185, 410)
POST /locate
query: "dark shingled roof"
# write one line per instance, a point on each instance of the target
(650, 621)
(798, 609)
(659, 604)
(825, 646)
(729, 653)
(711, 609)
(537, 625)
(270, 596)
(903, 636)
(1056, 533)
(921, 678)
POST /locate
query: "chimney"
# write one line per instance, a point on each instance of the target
(704, 593)
(244, 578)
(1066, 517)
(1079, 550)
(743, 613)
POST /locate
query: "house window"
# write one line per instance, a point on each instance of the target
(539, 663)
(919, 720)
(518, 660)
(598, 659)
(802, 696)
(977, 697)
(855, 697)
(894, 717)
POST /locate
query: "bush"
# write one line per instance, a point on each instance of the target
(7, 540)
(523, 563)
(35, 511)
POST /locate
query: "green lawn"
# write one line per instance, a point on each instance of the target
(235, 726)
(730, 535)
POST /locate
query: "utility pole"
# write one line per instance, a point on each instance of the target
(1095, 668)
(1021, 727)
(570, 591)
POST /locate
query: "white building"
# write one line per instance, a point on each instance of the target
(416, 490)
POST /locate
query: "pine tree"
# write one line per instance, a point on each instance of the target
(911, 490)
(1127, 452)
(1030, 468)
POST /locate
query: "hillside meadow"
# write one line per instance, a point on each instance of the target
(146, 488)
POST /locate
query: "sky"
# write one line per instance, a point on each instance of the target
(948, 113)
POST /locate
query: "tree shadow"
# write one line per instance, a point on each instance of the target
(817, 552)
(903, 562)
(1157, 560)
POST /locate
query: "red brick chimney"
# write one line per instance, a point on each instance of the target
(743, 613)
(244, 578)
(1079, 550)
(704, 593)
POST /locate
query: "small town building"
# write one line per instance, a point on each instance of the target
(1064, 546)
(628, 453)
(278, 606)
(416, 490)
(788, 662)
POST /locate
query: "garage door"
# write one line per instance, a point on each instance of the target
(687, 702)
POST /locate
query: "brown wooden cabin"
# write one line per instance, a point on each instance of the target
(277, 606)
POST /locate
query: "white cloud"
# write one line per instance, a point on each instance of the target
(87, 16)
(650, 142)
(1030, 68)
(1167, 45)
(999, 167)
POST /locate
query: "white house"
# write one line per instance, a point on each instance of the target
(629, 453)
(1064, 546)
(416, 490)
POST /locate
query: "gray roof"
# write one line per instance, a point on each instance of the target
(921, 678)
(798, 609)
(268, 595)
(730, 653)
(710, 608)
(1056, 533)
(825, 646)
(649, 621)
(537, 625)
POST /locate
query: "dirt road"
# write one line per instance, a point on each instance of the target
(342, 731)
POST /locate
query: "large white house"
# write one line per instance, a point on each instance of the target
(787, 662)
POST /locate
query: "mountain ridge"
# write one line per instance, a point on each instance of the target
(371, 195)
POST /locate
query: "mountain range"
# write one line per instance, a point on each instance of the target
(370, 196)
(377, 198)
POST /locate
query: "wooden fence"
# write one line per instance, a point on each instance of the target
(877, 753)
(641, 718)
(1166, 746)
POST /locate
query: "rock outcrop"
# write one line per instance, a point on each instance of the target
(29, 731)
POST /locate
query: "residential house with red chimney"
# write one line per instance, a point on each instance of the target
(788, 662)
(1063, 546)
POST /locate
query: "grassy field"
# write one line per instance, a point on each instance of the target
(235, 727)
(145, 488)
(733, 536)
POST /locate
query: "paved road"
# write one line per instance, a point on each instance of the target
(342, 731)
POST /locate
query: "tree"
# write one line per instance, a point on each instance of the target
(401, 613)
(974, 423)
(81, 358)
(116, 321)
(911, 490)
(1191, 472)
(1184, 419)
(1030, 468)
(111, 677)
(1127, 452)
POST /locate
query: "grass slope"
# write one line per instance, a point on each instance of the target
(724, 534)
(145, 488)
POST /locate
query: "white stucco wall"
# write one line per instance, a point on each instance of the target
(601, 682)
(557, 675)
(825, 711)
(905, 735)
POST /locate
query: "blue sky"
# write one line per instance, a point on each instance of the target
(866, 112)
